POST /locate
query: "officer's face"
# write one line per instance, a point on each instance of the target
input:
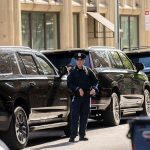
(80, 62)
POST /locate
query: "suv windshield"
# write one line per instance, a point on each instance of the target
(5, 65)
(65, 59)
(142, 59)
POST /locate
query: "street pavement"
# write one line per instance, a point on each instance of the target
(100, 138)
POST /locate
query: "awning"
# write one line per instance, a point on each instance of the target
(102, 20)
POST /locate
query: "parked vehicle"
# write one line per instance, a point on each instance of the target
(123, 87)
(141, 55)
(33, 95)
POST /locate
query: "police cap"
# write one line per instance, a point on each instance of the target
(79, 55)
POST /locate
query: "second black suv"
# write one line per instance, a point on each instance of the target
(141, 55)
(123, 87)
(33, 95)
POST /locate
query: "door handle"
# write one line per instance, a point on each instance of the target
(132, 76)
(50, 83)
(32, 84)
(121, 76)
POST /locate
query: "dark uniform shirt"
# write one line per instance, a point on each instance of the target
(82, 78)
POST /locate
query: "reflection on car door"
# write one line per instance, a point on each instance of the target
(37, 94)
(136, 97)
(56, 102)
(122, 76)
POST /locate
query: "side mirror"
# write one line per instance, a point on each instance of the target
(63, 70)
(139, 66)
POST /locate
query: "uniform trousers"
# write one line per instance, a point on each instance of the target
(80, 108)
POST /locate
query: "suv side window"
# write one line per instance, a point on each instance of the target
(127, 64)
(100, 59)
(29, 64)
(118, 63)
(14, 65)
(47, 69)
(5, 64)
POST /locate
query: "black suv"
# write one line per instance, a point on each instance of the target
(33, 95)
(141, 55)
(123, 87)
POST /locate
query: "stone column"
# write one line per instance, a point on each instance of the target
(70, 23)
(98, 24)
(83, 26)
(110, 16)
(10, 22)
(66, 26)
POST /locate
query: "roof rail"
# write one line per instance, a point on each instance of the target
(135, 48)
(101, 47)
(15, 47)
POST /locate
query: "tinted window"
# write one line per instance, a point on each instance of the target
(30, 65)
(21, 65)
(127, 64)
(145, 60)
(100, 59)
(65, 59)
(14, 65)
(118, 63)
(5, 64)
(113, 63)
(46, 68)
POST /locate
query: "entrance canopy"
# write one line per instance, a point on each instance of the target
(102, 20)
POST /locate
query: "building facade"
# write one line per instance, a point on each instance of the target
(64, 24)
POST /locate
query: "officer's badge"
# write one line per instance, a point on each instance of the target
(79, 54)
(86, 70)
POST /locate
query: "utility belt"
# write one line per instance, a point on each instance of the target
(86, 93)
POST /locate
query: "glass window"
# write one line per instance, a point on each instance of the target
(144, 59)
(125, 28)
(76, 32)
(14, 65)
(25, 29)
(113, 63)
(21, 65)
(52, 31)
(127, 64)
(117, 60)
(66, 58)
(29, 64)
(40, 30)
(100, 59)
(5, 65)
(130, 27)
(46, 68)
(133, 31)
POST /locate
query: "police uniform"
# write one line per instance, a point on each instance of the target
(80, 106)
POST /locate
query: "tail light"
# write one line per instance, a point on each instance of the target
(93, 101)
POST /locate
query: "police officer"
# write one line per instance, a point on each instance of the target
(83, 84)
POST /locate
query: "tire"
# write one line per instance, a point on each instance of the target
(112, 114)
(67, 128)
(146, 104)
(17, 135)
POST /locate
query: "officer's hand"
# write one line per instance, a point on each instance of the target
(92, 92)
(81, 92)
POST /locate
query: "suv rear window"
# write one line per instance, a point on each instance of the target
(5, 64)
(127, 64)
(117, 63)
(65, 59)
(29, 64)
(100, 59)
